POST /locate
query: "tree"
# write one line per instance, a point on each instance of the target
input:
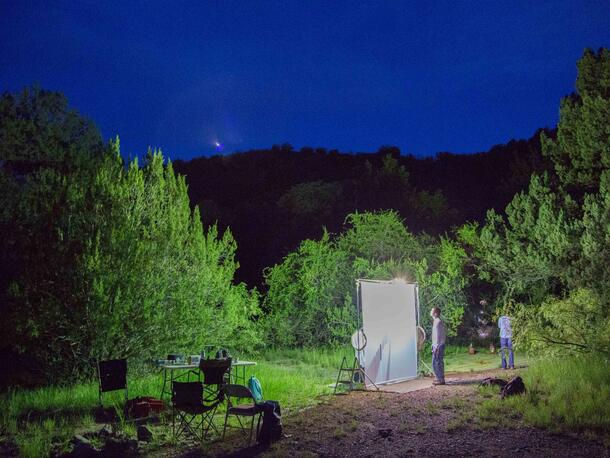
(582, 149)
(42, 144)
(44, 148)
(113, 262)
(38, 129)
(550, 252)
(309, 301)
(313, 199)
(593, 268)
(527, 253)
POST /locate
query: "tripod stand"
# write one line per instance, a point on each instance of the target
(356, 368)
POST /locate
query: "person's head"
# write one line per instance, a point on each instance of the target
(435, 312)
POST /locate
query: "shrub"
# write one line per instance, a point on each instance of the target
(577, 323)
(312, 294)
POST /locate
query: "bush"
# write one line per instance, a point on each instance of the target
(307, 301)
(312, 294)
(577, 323)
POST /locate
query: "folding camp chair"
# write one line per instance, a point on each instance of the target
(187, 404)
(112, 376)
(250, 409)
(215, 375)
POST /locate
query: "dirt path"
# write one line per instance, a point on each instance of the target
(434, 422)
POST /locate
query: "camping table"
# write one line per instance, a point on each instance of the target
(172, 372)
(235, 376)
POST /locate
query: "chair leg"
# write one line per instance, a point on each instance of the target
(208, 422)
(188, 425)
(224, 430)
(251, 427)
(173, 422)
(258, 425)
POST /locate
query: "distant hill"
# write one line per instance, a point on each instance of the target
(272, 199)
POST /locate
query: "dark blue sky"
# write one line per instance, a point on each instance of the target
(424, 76)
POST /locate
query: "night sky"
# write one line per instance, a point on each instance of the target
(424, 76)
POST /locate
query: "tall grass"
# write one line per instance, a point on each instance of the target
(37, 418)
(297, 378)
(571, 393)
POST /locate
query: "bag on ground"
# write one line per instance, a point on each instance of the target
(271, 429)
(143, 406)
(514, 386)
(255, 387)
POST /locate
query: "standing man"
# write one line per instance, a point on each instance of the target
(438, 346)
(506, 335)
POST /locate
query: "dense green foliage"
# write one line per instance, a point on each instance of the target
(577, 322)
(106, 259)
(312, 293)
(39, 129)
(549, 253)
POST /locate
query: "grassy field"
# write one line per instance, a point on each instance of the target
(297, 378)
(563, 394)
(457, 359)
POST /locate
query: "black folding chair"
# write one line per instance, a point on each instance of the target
(187, 404)
(250, 409)
(215, 374)
(112, 376)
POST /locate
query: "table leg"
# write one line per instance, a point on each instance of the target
(164, 382)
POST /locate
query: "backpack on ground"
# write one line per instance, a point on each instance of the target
(255, 387)
(271, 429)
(514, 386)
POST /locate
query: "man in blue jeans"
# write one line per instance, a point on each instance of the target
(506, 344)
(438, 346)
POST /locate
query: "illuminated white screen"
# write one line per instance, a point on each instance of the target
(389, 320)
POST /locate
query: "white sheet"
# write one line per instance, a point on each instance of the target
(389, 320)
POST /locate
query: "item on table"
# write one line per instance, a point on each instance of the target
(175, 358)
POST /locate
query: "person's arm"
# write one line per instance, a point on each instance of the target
(435, 329)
